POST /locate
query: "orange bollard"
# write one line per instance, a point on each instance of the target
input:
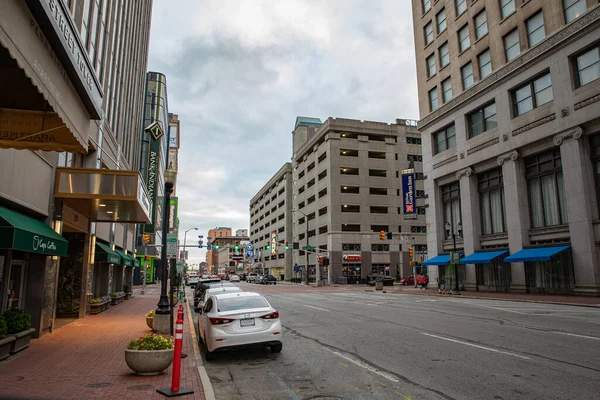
(176, 390)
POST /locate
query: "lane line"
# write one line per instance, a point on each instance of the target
(476, 346)
(495, 308)
(576, 335)
(316, 308)
(366, 366)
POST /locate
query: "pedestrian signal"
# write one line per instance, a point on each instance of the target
(382, 235)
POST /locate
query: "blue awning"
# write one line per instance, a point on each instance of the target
(536, 254)
(484, 257)
(444, 259)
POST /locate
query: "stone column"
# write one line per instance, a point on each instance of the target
(581, 204)
(469, 204)
(517, 214)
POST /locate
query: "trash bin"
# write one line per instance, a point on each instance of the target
(379, 285)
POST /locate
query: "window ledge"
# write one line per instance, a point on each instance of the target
(441, 33)
(426, 12)
(494, 236)
(460, 15)
(444, 67)
(481, 38)
(508, 16)
(431, 77)
(549, 229)
(465, 50)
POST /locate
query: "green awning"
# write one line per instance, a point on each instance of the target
(104, 254)
(125, 258)
(20, 232)
(136, 262)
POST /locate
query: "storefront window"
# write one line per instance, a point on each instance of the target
(554, 276)
(351, 273)
(494, 274)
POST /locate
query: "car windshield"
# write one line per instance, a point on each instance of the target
(240, 303)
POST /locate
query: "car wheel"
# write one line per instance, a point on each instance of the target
(274, 283)
(277, 348)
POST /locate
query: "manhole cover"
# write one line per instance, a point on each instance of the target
(98, 385)
(141, 387)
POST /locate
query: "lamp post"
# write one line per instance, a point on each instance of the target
(306, 250)
(450, 231)
(163, 304)
(185, 239)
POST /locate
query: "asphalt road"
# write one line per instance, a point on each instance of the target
(350, 344)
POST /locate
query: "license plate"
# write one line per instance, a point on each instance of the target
(247, 322)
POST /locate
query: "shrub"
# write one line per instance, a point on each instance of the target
(3, 327)
(17, 320)
(151, 342)
(150, 314)
(126, 288)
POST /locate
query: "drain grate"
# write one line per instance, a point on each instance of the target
(98, 385)
(140, 387)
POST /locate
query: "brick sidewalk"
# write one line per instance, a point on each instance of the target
(85, 359)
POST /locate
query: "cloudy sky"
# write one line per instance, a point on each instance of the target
(240, 72)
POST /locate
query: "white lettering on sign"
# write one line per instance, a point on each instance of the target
(152, 174)
(39, 243)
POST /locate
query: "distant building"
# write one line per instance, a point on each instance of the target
(211, 255)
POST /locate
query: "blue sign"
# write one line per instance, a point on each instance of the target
(249, 250)
(409, 204)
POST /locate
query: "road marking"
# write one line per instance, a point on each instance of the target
(316, 308)
(345, 365)
(366, 366)
(405, 397)
(576, 335)
(495, 308)
(476, 346)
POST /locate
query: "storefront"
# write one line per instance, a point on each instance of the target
(29, 251)
(145, 267)
(492, 274)
(123, 271)
(104, 269)
(448, 273)
(351, 268)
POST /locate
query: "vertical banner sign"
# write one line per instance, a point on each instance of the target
(250, 250)
(409, 204)
(172, 245)
(274, 243)
(155, 133)
(173, 209)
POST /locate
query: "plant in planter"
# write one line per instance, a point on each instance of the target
(150, 319)
(5, 340)
(18, 324)
(127, 290)
(150, 354)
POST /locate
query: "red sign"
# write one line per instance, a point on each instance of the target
(352, 258)
(321, 259)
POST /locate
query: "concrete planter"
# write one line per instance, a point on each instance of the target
(148, 362)
(150, 322)
(22, 340)
(5, 346)
(127, 296)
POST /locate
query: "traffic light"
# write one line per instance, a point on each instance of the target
(146, 238)
(267, 246)
(389, 235)
(411, 252)
(287, 245)
(382, 235)
(236, 247)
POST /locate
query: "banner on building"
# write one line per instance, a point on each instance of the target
(155, 133)
(274, 243)
(250, 250)
(409, 202)
(173, 211)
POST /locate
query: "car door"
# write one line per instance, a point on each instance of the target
(203, 319)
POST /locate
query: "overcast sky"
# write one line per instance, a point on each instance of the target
(240, 72)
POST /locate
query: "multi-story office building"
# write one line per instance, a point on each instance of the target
(345, 189)
(509, 100)
(212, 257)
(271, 222)
(71, 96)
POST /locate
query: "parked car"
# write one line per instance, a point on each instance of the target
(214, 290)
(234, 278)
(387, 280)
(230, 321)
(243, 277)
(269, 280)
(259, 279)
(410, 280)
(193, 279)
(252, 277)
(202, 286)
(224, 277)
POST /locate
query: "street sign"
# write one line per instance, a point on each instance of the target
(179, 267)
(172, 245)
(308, 248)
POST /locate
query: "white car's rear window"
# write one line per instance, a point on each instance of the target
(241, 303)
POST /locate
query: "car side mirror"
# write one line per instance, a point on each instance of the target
(198, 310)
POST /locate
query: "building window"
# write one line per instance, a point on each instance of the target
(464, 42)
(461, 6)
(348, 153)
(445, 139)
(431, 65)
(444, 55)
(481, 28)
(377, 154)
(378, 172)
(413, 140)
(323, 193)
(533, 94)
(414, 157)
(350, 246)
(573, 9)
(482, 120)
(446, 90)
(512, 49)
(588, 66)
(380, 247)
(428, 33)
(348, 171)
(546, 189)
(467, 75)
(323, 211)
(418, 229)
(491, 200)
(350, 228)
(535, 29)
(440, 19)
(485, 64)
(322, 175)
(451, 205)
(350, 189)
(378, 191)
(426, 5)
(350, 208)
(433, 99)
(379, 210)
(322, 157)
(507, 7)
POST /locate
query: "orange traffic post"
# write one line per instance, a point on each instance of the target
(175, 389)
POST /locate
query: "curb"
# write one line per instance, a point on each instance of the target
(209, 393)
(562, 303)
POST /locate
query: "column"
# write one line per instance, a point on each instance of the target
(517, 214)
(469, 204)
(581, 202)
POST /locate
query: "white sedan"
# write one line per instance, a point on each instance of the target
(215, 290)
(237, 320)
(234, 278)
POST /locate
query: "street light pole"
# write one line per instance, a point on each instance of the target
(163, 304)
(185, 239)
(306, 250)
(450, 230)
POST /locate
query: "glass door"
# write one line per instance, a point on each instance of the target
(14, 293)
